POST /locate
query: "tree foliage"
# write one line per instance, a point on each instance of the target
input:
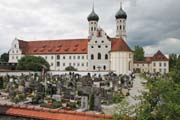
(32, 63)
(174, 61)
(161, 102)
(70, 68)
(138, 53)
(4, 57)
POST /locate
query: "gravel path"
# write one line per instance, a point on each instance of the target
(135, 91)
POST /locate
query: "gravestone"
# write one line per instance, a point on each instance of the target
(84, 102)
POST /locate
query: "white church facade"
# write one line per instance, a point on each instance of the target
(97, 52)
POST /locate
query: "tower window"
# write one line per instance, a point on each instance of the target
(102, 41)
(92, 57)
(95, 41)
(91, 28)
(120, 27)
(99, 56)
(99, 46)
(92, 46)
(106, 56)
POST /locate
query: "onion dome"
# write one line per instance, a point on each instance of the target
(93, 16)
(121, 14)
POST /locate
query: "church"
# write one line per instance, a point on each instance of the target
(97, 52)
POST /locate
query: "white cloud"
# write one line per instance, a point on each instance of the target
(148, 23)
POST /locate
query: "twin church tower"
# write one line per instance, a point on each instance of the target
(120, 16)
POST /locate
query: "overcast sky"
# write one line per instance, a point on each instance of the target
(153, 24)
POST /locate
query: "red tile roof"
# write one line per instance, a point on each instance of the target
(159, 56)
(71, 46)
(75, 46)
(118, 44)
(49, 114)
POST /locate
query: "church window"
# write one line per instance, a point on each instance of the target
(77, 64)
(104, 67)
(82, 64)
(58, 57)
(91, 28)
(94, 67)
(99, 56)
(106, 56)
(82, 57)
(92, 57)
(58, 63)
(129, 65)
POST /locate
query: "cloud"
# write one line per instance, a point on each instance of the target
(170, 45)
(149, 22)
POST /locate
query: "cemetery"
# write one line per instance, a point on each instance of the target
(69, 91)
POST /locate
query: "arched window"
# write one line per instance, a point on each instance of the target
(129, 65)
(58, 57)
(104, 67)
(120, 27)
(99, 56)
(92, 57)
(106, 56)
(94, 67)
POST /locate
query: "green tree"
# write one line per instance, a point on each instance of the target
(32, 63)
(4, 57)
(161, 102)
(172, 61)
(138, 53)
(70, 68)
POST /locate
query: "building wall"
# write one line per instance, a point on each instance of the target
(99, 45)
(143, 67)
(154, 66)
(160, 66)
(121, 62)
(15, 53)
